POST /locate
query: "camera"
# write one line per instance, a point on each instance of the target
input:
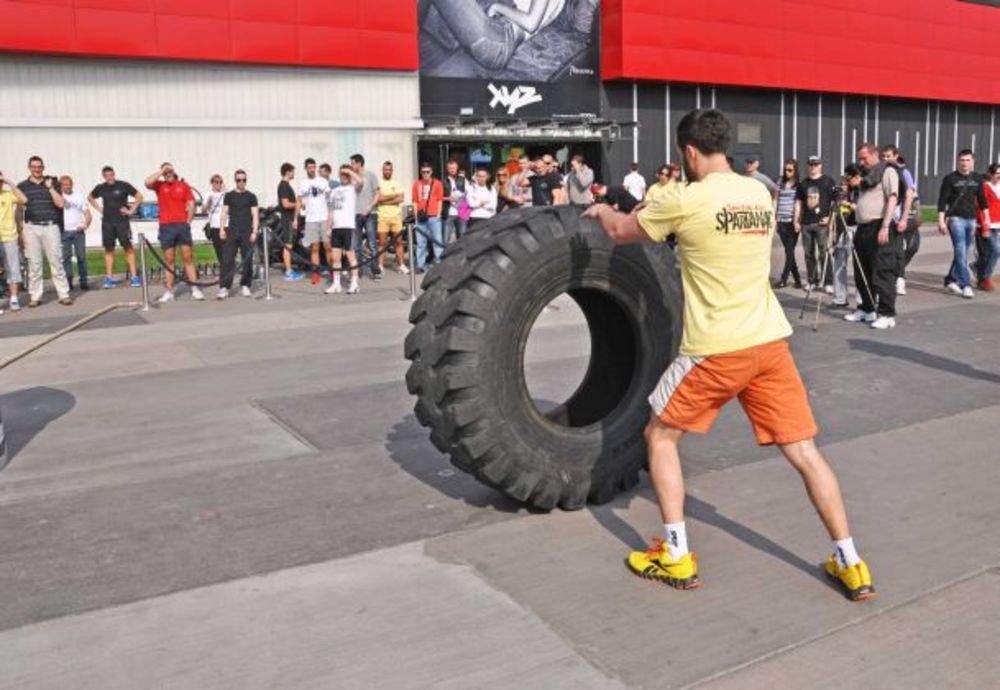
(315, 191)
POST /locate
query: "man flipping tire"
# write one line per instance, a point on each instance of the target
(734, 346)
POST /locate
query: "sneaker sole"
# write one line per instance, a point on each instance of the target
(860, 594)
(684, 584)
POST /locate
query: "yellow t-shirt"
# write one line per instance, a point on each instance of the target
(724, 226)
(8, 216)
(389, 211)
(657, 190)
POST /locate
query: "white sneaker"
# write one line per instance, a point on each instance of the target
(860, 315)
(900, 286)
(14, 304)
(403, 269)
(828, 289)
(167, 296)
(223, 293)
(354, 288)
(245, 291)
(967, 292)
(197, 294)
(333, 289)
(954, 288)
(884, 323)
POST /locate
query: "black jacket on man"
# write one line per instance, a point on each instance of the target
(959, 194)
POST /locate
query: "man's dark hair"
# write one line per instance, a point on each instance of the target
(326, 166)
(107, 169)
(389, 163)
(34, 159)
(286, 168)
(852, 170)
(308, 162)
(358, 158)
(992, 170)
(635, 167)
(240, 171)
(891, 149)
(965, 152)
(578, 158)
(426, 165)
(707, 130)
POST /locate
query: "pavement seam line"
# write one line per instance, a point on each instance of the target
(255, 404)
(937, 589)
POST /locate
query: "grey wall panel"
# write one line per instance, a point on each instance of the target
(652, 101)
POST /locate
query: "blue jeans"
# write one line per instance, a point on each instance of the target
(988, 264)
(429, 228)
(75, 241)
(963, 237)
(366, 226)
(454, 227)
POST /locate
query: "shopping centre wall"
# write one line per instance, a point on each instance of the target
(928, 133)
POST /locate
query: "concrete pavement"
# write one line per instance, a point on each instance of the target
(236, 495)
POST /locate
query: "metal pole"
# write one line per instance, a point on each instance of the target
(413, 268)
(145, 273)
(267, 266)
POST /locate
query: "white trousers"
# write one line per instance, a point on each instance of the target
(44, 241)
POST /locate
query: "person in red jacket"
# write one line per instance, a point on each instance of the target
(989, 227)
(176, 205)
(428, 195)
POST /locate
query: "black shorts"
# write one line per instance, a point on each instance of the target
(116, 231)
(175, 235)
(340, 238)
(287, 232)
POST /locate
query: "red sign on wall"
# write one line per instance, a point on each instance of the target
(939, 49)
(329, 33)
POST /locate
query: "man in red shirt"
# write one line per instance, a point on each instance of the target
(428, 195)
(176, 204)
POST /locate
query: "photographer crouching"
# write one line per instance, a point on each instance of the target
(875, 243)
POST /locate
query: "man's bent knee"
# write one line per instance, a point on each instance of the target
(657, 431)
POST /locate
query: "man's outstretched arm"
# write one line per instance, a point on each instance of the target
(622, 228)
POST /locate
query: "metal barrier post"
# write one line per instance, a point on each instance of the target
(413, 269)
(267, 266)
(145, 273)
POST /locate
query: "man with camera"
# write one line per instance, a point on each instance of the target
(734, 345)
(875, 240)
(42, 237)
(176, 206)
(12, 200)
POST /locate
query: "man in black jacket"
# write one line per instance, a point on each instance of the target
(960, 191)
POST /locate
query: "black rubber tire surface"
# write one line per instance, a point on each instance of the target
(470, 328)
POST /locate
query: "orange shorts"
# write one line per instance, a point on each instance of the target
(764, 378)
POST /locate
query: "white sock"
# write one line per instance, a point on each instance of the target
(845, 553)
(677, 540)
(336, 278)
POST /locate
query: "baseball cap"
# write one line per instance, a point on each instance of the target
(815, 159)
(752, 159)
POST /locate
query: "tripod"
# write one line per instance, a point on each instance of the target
(833, 238)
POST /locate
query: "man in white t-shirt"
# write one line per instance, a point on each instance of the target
(635, 183)
(76, 220)
(341, 224)
(312, 196)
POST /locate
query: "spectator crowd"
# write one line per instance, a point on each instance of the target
(345, 222)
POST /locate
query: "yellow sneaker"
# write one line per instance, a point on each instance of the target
(655, 564)
(855, 579)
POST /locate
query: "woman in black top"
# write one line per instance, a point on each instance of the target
(785, 214)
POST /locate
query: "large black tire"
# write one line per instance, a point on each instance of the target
(470, 327)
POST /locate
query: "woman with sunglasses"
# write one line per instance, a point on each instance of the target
(785, 214)
(212, 207)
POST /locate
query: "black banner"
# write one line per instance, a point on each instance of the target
(510, 59)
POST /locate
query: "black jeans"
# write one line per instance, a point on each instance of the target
(213, 235)
(789, 238)
(236, 239)
(909, 246)
(875, 265)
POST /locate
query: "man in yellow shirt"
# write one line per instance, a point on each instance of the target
(10, 199)
(733, 346)
(388, 203)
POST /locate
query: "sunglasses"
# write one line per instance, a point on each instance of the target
(425, 172)
(789, 169)
(241, 179)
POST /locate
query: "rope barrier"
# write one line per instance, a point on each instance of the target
(179, 275)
